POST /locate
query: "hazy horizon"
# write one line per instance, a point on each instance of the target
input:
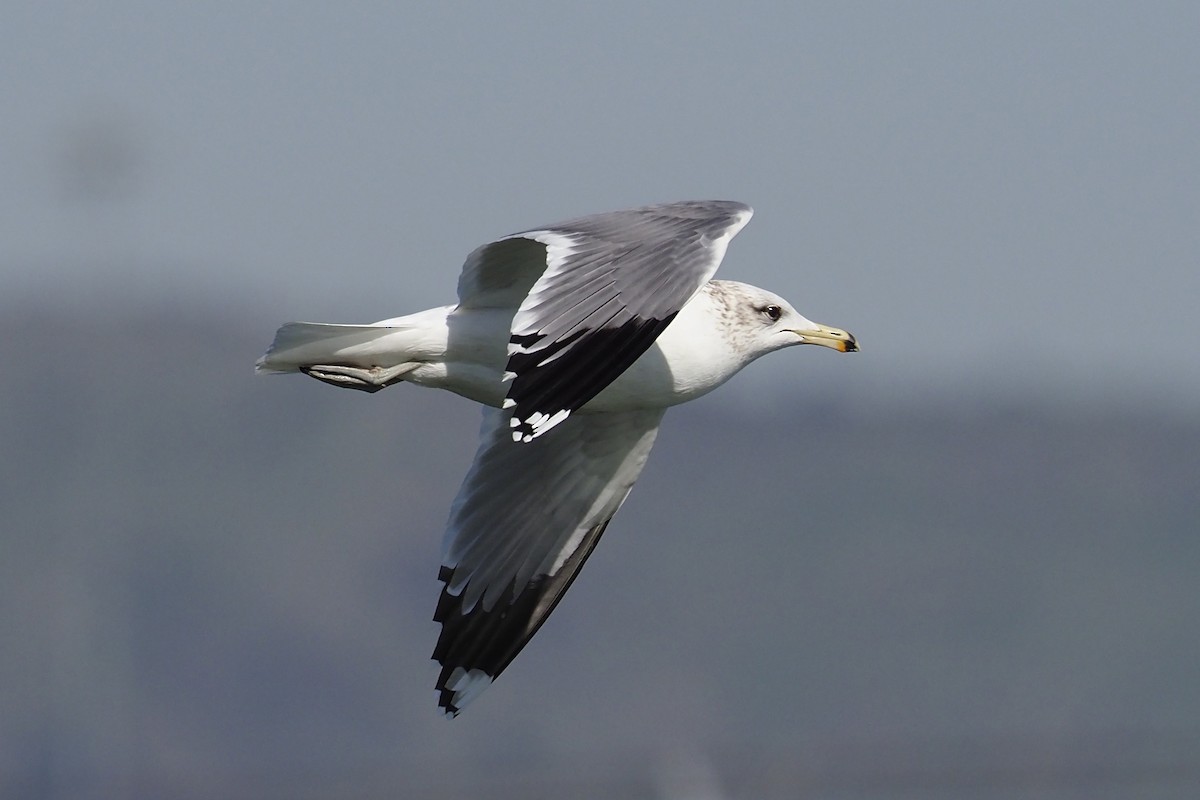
(222, 585)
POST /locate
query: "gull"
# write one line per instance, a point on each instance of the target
(575, 338)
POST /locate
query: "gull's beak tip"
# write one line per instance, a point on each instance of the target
(824, 335)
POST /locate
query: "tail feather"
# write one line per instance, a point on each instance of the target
(304, 344)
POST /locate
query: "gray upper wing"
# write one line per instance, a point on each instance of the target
(591, 295)
(524, 522)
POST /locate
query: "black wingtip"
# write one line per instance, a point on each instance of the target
(458, 686)
(477, 644)
(446, 703)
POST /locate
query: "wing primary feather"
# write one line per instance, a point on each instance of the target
(568, 384)
(488, 641)
(521, 527)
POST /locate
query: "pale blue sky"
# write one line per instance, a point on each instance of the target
(983, 193)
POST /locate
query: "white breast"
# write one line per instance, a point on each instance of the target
(690, 358)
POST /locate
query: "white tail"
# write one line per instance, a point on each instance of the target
(367, 357)
(303, 344)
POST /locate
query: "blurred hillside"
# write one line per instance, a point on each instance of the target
(220, 585)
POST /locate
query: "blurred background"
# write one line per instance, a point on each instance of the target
(962, 563)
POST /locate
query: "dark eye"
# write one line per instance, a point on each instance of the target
(772, 313)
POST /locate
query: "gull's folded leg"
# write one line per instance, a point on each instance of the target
(365, 379)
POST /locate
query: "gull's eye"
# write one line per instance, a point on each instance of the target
(772, 313)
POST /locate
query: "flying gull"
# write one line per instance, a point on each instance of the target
(576, 338)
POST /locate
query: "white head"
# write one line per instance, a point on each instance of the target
(764, 321)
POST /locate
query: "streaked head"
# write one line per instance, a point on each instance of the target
(770, 322)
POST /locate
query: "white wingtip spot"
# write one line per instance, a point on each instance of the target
(543, 422)
(466, 685)
(535, 424)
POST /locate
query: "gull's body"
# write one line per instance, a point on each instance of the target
(465, 353)
(576, 338)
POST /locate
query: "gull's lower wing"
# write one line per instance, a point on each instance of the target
(524, 522)
(592, 294)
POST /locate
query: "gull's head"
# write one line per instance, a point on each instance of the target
(770, 323)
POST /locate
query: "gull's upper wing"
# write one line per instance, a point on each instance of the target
(591, 295)
(525, 520)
